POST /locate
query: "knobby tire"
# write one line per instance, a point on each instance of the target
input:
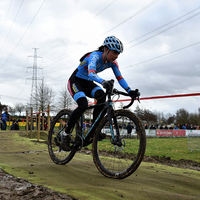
(115, 161)
(57, 155)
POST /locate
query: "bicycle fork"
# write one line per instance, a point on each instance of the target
(115, 137)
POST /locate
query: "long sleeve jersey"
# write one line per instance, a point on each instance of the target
(93, 63)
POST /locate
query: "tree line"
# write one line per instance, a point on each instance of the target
(41, 98)
(182, 116)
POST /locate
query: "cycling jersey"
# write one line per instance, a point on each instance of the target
(93, 63)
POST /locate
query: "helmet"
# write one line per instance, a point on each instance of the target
(113, 43)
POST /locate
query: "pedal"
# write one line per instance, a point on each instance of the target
(78, 143)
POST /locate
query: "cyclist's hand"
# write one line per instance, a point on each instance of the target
(107, 84)
(134, 93)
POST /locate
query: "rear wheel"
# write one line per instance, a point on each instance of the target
(118, 157)
(58, 124)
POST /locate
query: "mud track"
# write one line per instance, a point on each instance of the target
(13, 188)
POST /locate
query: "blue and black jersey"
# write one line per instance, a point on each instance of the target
(93, 63)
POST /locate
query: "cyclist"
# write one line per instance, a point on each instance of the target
(81, 83)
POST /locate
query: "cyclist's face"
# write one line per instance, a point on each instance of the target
(112, 56)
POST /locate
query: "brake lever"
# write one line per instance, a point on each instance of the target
(138, 98)
(110, 90)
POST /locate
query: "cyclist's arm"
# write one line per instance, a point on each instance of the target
(119, 77)
(92, 61)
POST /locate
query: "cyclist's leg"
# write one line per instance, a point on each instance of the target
(76, 90)
(82, 106)
(100, 97)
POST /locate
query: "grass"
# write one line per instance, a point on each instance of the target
(175, 148)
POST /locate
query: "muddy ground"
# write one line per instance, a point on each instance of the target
(13, 188)
(186, 164)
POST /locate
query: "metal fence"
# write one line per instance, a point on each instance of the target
(194, 142)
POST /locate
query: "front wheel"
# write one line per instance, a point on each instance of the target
(118, 156)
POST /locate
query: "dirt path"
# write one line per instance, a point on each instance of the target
(80, 178)
(12, 188)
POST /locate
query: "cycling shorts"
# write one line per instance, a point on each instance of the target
(79, 87)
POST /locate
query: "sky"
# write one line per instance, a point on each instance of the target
(161, 46)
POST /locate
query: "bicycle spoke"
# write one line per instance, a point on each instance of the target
(119, 156)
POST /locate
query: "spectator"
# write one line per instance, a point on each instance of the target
(4, 118)
(184, 127)
(176, 127)
(152, 127)
(29, 126)
(129, 129)
(15, 125)
(192, 127)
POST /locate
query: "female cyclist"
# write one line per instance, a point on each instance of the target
(81, 83)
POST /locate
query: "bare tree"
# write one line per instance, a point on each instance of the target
(65, 100)
(19, 107)
(11, 110)
(146, 115)
(43, 97)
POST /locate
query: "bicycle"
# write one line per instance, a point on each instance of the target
(114, 154)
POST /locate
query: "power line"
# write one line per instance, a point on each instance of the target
(135, 14)
(12, 24)
(104, 8)
(154, 58)
(164, 30)
(164, 25)
(6, 16)
(22, 35)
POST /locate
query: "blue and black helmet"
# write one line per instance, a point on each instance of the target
(113, 43)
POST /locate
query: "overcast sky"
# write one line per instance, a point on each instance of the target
(161, 46)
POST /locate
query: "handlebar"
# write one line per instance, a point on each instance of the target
(115, 91)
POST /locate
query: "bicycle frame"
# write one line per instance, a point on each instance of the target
(92, 128)
(108, 108)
